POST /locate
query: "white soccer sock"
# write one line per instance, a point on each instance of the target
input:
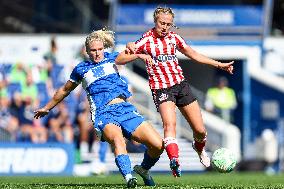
(127, 177)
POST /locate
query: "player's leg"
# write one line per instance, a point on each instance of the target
(147, 135)
(113, 135)
(102, 151)
(168, 114)
(84, 133)
(192, 114)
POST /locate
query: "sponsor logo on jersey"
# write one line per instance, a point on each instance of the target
(164, 58)
(171, 44)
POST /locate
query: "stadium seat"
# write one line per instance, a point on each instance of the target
(5, 68)
(14, 87)
(42, 93)
(55, 75)
(71, 104)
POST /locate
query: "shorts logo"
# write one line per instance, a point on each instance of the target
(100, 123)
(98, 133)
(136, 113)
(163, 97)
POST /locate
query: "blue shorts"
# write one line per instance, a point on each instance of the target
(122, 114)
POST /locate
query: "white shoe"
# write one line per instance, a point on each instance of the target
(98, 168)
(203, 156)
(84, 150)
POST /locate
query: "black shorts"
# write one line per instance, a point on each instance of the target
(180, 94)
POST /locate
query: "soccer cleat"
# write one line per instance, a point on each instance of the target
(132, 183)
(204, 158)
(174, 165)
(148, 180)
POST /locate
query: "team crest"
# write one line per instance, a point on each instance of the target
(163, 97)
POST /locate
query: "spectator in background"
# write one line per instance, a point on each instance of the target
(59, 124)
(3, 85)
(23, 104)
(30, 130)
(29, 89)
(50, 57)
(221, 100)
(168, 85)
(82, 120)
(18, 74)
(8, 122)
(54, 69)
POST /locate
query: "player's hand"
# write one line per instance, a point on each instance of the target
(227, 67)
(146, 58)
(131, 47)
(40, 113)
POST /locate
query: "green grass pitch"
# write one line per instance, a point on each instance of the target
(208, 180)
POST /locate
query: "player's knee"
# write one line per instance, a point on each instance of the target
(118, 142)
(157, 149)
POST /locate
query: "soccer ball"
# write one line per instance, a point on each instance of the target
(223, 160)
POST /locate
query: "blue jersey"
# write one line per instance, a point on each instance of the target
(101, 81)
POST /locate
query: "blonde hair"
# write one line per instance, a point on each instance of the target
(103, 35)
(166, 10)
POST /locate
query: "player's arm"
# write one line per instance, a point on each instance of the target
(192, 54)
(125, 56)
(59, 95)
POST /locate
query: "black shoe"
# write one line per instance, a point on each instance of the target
(148, 180)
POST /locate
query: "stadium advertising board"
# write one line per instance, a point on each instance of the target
(36, 159)
(193, 16)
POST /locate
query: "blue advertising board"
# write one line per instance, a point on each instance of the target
(36, 159)
(193, 16)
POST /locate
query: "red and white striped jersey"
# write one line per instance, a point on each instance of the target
(165, 71)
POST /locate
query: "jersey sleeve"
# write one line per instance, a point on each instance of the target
(111, 56)
(75, 76)
(114, 55)
(180, 42)
(140, 45)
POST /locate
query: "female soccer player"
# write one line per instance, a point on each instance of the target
(114, 118)
(168, 85)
